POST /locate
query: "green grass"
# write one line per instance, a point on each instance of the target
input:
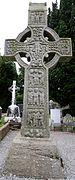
(73, 130)
(2, 122)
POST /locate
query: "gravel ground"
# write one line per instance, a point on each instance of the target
(5, 145)
(65, 143)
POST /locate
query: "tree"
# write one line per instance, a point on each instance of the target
(20, 83)
(62, 78)
(72, 28)
(8, 73)
(62, 30)
(65, 10)
(53, 16)
(62, 85)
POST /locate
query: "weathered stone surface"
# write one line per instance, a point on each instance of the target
(34, 158)
(34, 44)
(4, 130)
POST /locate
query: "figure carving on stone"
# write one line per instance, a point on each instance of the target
(35, 119)
(41, 97)
(40, 119)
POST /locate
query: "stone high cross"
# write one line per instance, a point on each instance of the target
(13, 89)
(36, 42)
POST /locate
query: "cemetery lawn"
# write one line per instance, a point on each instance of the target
(2, 122)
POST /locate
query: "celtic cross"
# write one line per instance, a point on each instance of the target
(35, 43)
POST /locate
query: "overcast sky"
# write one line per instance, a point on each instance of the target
(14, 18)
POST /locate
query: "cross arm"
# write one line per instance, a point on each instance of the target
(62, 49)
(13, 47)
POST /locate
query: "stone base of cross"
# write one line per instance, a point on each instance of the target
(36, 42)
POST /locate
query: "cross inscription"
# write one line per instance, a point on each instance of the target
(35, 121)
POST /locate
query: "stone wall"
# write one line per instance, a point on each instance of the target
(4, 130)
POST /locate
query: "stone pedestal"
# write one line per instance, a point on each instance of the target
(33, 158)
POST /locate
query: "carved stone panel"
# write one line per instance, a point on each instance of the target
(37, 33)
(36, 77)
(37, 14)
(36, 17)
(36, 97)
(35, 118)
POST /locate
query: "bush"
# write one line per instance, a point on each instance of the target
(2, 122)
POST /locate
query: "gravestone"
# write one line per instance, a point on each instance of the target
(55, 114)
(35, 155)
(32, 44)
(13, 90)
(55, 117)
(13, 111)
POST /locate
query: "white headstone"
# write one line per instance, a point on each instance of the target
(13, 92)
(13, 89)
(13, 112)
(55, 117)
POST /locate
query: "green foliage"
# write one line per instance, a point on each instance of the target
(21, 77)
(53, 16)
(62, 85)
(20, 83)
(2, 122)
(19, 97)
(62, 78)
(72, 29)
(62, 30)
(7, 75)
(65, 10)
